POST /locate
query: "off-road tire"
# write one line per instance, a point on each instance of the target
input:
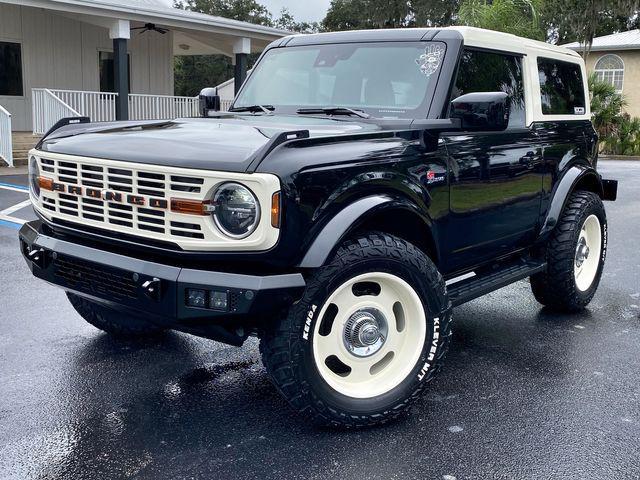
(556, 287)
(287, 354)
(110, 321)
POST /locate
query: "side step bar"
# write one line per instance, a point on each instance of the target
(492, 279)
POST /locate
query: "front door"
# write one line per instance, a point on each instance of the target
(496, 177)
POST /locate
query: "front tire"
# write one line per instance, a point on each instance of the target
(575, 255)
(112, 322)
(370, 332)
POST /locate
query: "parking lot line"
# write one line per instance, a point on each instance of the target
(15, 188)
(15, 208)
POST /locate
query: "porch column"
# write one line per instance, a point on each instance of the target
(241, 50)
(119, 32)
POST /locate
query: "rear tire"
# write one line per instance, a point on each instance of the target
(110, 321)
(575, 255)
(369, 334)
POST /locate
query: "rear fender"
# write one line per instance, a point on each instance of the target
(577, 177)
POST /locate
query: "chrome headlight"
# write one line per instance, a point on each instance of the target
(237, 211)
(34, 173)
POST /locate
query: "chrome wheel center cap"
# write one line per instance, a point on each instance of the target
(365, 332)
(582, 252)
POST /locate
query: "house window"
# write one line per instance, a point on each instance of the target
(481, 71)
(610, 69)
(561, 87)
(11, 69)
(107, 72)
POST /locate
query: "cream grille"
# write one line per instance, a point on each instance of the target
(98, 193)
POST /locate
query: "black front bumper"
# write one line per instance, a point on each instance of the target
(155, 290)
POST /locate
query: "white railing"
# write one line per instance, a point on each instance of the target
(51, 105)
(161, 107)
(98, 106)
(48, 109)
(6, 148)
(225, 104)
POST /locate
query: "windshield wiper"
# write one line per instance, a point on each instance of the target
(254, 109)
(333, 111)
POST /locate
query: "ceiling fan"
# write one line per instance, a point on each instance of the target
(151, 27)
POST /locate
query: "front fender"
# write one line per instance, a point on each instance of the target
(340, 224)
(574, 176)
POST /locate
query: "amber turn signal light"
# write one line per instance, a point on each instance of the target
(275, 210)
(45, 183)
(190, 207)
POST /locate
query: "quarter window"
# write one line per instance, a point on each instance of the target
(610, 69)
(561, 87)
(11, 69)
(492, 72)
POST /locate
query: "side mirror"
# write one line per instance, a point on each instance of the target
(209, 100)
(484, 111)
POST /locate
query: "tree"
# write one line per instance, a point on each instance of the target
(582, 20)
(435, 13)
(607, 108)
(361, 14)
(287, 22)
(520, 17)
(244, 10)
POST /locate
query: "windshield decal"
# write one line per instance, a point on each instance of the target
(430, 60)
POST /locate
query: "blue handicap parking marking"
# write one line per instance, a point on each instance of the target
(5, 223)
(13, 186)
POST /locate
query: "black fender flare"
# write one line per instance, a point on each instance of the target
(564, 187)
(345, 221)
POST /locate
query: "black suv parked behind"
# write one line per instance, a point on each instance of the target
(361, 185)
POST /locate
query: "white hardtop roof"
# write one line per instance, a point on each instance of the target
(477, 37)
(155, 11)
(481, 37)
(616, 41)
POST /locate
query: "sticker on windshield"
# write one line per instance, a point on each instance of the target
(430, 60)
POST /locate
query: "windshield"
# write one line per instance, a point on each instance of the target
(391, 80)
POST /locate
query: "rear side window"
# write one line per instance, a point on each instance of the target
(481, 71)
(561, 87)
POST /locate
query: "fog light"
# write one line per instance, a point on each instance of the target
(196, 298)
(219, 300)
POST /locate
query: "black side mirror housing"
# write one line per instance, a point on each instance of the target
(482, 111)
(209, 100)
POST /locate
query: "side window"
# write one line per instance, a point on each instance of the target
(492, 72)
(561, 87)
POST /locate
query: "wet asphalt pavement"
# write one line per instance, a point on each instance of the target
(525, 393)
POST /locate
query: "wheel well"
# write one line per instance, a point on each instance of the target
(404, 224)
(589, 183)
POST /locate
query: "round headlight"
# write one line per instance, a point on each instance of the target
(34, 173)
(237, 211)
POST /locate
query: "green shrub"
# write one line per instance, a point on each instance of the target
(619, 133)
(624, 139)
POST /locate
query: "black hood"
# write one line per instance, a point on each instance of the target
(225, 143)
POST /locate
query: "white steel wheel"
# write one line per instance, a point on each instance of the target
(369, 335)
(588, 251)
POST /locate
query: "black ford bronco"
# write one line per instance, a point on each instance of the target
(361, 185)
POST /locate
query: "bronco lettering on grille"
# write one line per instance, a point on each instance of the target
(109, 195)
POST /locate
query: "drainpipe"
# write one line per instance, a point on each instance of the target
(241, 50)
(120, 32)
